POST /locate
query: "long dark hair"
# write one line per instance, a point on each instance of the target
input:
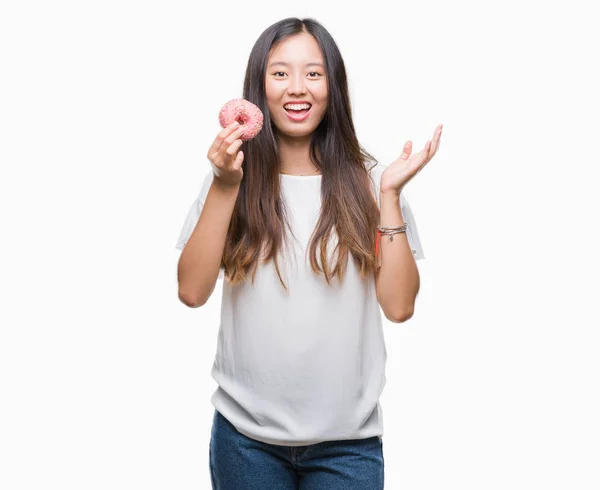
(349, 211)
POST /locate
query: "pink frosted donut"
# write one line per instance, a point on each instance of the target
(244, 112)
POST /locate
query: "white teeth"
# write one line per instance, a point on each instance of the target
(297, 107)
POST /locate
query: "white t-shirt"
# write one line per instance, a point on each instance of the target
(306, 366)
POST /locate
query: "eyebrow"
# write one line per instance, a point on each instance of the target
(286, 64)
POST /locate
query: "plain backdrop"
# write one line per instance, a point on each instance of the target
(107, 110)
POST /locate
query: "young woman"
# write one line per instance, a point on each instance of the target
(300, 361)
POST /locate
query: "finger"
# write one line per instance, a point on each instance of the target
(407, 150)
(427, 151)
(231, 152)
(227, 142)
(422, 157)
(437, 134)
(238, 160)
(216, 145)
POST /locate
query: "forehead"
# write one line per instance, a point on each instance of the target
(300, 49)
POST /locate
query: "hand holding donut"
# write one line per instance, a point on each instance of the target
(397, 175)
(224, 156)
(241, 121)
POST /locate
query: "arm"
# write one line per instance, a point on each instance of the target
(200, 260)
(397, 281)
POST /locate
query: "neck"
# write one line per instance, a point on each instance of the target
(294, 156)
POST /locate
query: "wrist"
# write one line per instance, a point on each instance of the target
(390, 194)
(226, 188)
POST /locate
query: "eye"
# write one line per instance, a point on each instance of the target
(311, 73)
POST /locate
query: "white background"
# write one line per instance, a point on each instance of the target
(107, 112)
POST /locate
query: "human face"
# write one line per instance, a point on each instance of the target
(296, 72)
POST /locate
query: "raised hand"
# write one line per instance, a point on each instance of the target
(401, 171)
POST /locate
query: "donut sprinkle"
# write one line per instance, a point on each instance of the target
(246, 113)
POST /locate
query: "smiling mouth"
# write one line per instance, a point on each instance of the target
(297, 112)
(298, 116)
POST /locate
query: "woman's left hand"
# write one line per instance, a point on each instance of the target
(399, 173)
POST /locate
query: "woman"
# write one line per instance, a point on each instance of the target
(300, 361)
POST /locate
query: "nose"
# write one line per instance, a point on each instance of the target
(296, 85)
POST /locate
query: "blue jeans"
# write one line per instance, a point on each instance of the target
(238, 462)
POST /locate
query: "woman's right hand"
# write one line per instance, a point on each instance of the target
(225, 157)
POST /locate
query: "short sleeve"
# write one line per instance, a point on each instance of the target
(412, 234)
(193, 215)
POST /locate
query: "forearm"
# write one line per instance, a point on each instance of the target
(398, 277)
(200, 260)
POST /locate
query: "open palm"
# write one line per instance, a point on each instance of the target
(401, 171)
